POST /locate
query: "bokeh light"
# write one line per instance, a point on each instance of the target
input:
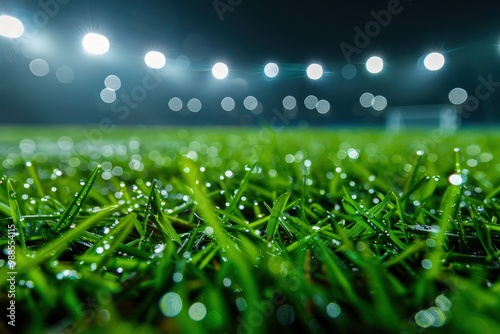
(170, 304)
(379, 103)
(228, 104)
(112, 82)
(434, 61)
(314, 71)
(155, 60)
(11, 27)
(375, 65)
(95, 44)
(175, 104)
(250, 103)
(271, 70)
(310, 102)
(289, 102)
(39, 67)
(333, 310)
(220, 71)
(349, 71)
(323, 106)
(65, 75)
(108, 95)
(197, 311)
(366, 100)
(194, 105)
(458, 96)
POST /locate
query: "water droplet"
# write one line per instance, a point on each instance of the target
(424, 319)
(438, 316)
(333, 310)
(197, 311)
(443, 303)
(170, 304)
(241, 304)
(227, 282)
(426, 264)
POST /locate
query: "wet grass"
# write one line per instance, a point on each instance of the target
(246, 231)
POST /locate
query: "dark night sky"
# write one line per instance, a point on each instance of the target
(290, 33)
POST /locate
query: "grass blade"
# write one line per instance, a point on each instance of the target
(276, 214)
(74, 208)
(161, 219)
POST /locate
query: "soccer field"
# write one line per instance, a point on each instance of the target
(225, 230)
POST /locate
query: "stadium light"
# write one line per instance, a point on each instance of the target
(155, 60)
(220, 71)
(11, 27)
(314, 71)
(375, 65)
(271, 70)
(95, 44)
(434, 61)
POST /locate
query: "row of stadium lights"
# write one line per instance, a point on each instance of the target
(97, 44)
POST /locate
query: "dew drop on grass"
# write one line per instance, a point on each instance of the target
(170, 304)
(426, 264)
(333, 310)
(443, 303)
(241, 304)
(197, 311)
(424, 319)
(208, 231)
(177, 277)
(456, 179)
(430, 243)
(227, 282)
(438, 316)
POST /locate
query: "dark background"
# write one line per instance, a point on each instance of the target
(246, 36)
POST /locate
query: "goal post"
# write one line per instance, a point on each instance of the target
(444, 117)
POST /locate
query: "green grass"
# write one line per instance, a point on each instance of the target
(246, 231)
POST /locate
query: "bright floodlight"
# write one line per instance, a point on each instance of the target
(314, 71)
(96, 44)
(434, 61)
(11, 27)
(220, 71)
(375, 65)
(155, 60)
(271, 70)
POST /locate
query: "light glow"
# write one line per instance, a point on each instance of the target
(220, 71)
(375, 65)
(271, 70)
(11, 27)
(155, 60)
(314, 71)
(434, 61)
(95, 44)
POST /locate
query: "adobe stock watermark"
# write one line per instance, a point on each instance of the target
(223, 6)
(483, 91)
(48, 10)
(11, 275)
(123, 106)
(363, 37)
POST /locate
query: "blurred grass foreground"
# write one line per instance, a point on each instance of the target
(206, 230)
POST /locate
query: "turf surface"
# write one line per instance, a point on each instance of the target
(244, 231)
